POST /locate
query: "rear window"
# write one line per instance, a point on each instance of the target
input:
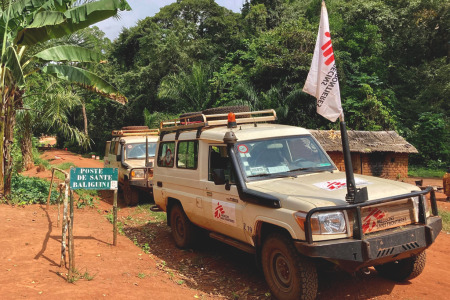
(187, 155)
(166, 154)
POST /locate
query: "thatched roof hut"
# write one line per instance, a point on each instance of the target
(364, 141)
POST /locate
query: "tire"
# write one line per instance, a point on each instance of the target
(227, 109)
(182, 229)
(404, 269)
(288, 274)
(130, 194)
(134, 127)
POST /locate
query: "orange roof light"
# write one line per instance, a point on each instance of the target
(231, 120)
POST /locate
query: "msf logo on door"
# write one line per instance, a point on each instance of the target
(327, 49)
(224, 212)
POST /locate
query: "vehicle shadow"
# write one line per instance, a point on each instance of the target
(221, 270)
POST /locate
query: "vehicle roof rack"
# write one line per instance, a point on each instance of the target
(135, 132)
(206, 121)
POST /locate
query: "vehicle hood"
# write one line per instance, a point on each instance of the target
(306, 192)
(138, 163)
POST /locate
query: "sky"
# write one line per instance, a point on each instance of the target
(147, 8)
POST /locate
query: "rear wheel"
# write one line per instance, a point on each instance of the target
(404, 269)
(182, 228)
(288, 274)
(130, 194)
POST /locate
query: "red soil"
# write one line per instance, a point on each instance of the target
(30, 245)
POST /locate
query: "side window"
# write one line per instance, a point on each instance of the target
(116, 148)
(187, 154)
(166, 154)
(112, 146)
(218, 159)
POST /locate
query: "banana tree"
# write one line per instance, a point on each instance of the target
(27, 23)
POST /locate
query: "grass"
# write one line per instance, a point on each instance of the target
(415, 171)
(65, 165)
(77, 275)
(445, 215)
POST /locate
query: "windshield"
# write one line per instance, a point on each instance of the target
(137, 151)
(285, 156)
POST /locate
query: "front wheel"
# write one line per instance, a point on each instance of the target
(404, 269)
(130, 194)
(288, 274)
(182, 228)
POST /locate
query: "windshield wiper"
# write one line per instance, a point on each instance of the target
(279, 175)
(260, 175)
(300, 169)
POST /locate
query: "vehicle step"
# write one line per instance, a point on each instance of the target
(232, 242)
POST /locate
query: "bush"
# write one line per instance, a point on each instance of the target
(30, 190)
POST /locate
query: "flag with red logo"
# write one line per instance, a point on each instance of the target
(322, 81)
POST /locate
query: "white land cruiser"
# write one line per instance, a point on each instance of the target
(272, 190)
(127, 152)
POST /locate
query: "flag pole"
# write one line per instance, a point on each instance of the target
(354, 195)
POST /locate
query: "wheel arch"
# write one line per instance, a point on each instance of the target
(264, 229)
(170, 203)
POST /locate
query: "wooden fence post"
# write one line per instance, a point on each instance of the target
(115, 218)
(50, 189)
(64, 225)
(71, 244)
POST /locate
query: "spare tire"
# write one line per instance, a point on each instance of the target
(194, 119)
(135, 128)
(228, 109)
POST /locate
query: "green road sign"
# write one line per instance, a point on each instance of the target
(94, 178)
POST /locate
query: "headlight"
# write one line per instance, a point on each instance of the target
(137, 173)
(415, 201)
(324, 223)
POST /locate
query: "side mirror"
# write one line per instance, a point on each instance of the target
(218, 176)
(149, 164)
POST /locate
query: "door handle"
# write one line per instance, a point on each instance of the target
(159, 183)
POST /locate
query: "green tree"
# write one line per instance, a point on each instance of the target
(26, 23)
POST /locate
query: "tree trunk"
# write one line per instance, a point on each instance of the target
(9, 139)
(83, 107)
(14, 102)
(26, 144)
(2, 135)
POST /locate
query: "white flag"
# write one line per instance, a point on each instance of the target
(322, 81)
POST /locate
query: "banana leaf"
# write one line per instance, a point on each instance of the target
(68, 53)
(11, 62)
(43, 29)
(85, 79)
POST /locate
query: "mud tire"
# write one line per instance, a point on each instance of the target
(183, 231)
(130, 194)
(404, 269)
(288, 274)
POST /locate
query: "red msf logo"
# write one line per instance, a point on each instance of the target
(219, 211)
(327, 49)
(334, 185)
(370, 221)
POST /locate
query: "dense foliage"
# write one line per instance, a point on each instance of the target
(392, 58)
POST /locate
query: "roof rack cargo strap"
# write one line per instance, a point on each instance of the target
(199, 132)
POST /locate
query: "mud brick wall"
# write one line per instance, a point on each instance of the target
(381, 164)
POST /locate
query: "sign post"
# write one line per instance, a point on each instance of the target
(97, 179)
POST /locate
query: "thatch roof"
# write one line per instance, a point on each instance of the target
(364, 141)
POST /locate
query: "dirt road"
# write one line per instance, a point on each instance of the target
(30, 255)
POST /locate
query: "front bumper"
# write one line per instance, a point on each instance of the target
(377, 248)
